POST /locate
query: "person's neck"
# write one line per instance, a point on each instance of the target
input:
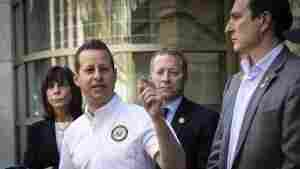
(265, 46)
(92, 107)
(61, 115)
(170, 100)
(93, 104)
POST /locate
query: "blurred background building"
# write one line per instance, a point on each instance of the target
(36, 34)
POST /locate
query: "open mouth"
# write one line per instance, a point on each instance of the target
(97, 87)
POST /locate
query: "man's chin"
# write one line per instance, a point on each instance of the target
(168, 96)
(98, 97)
(236, 48)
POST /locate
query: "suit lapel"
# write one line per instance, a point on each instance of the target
(181, 117)
(227, 110)
(229, 99)
(262, 87)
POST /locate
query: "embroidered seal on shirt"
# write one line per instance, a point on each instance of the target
(119, 133)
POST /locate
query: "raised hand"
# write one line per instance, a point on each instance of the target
(152, 100)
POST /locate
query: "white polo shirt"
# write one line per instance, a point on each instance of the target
(119, 136)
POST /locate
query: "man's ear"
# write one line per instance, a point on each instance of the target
(150, 78)
(76, 79)
(265, 21)
(115, 74)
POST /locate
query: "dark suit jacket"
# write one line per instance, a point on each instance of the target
(196, 133)
(270, 134)
(41, 146)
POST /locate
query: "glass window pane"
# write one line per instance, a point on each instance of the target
(36, 72)
(37, 25)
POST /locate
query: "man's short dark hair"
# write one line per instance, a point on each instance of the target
(280, 11)
(93, 44)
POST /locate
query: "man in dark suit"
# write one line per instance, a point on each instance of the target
(194, 125)
(259, 126)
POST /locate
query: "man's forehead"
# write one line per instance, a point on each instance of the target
(93, 52)
(239, 6)
(88, 60)
(159, 65)
(90, 56)
(158, 58)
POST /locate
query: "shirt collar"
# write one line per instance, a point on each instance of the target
(173, 105)
(251, 72)
(103, 110)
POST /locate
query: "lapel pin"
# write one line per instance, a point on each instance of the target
(263, 84)
(181, 120)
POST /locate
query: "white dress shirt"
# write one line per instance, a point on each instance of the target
(118, 136)
(252, 77)
(172, 108)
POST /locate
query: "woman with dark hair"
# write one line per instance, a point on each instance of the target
(61, 100)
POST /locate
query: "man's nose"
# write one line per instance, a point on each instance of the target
(228, 27)
(165, 76)
(97, 74)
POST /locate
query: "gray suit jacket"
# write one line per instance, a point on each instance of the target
(270, 134)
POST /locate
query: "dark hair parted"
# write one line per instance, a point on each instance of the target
(93, 44)
(178, 55)
(280, 12)
(62, 76)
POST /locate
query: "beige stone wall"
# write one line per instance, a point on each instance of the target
(196, 27)
(7, 107)
(295, 7)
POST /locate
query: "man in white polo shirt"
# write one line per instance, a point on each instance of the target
(112, 134)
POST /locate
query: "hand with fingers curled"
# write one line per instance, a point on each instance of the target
(150, 97)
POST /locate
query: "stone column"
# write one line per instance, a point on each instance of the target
(7, 117)
(168, 23)
(295, 7)
(126, 83)
(195, 27)
(232, 60)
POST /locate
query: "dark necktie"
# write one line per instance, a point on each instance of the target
(165, 112)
